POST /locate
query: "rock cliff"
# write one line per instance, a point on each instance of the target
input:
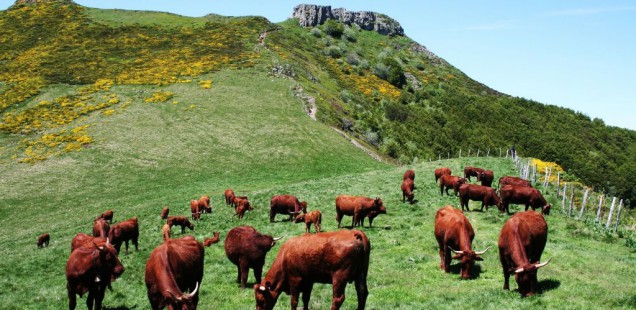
(310, 15)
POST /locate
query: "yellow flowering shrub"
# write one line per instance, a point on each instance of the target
(551, 166)
(160, 96)
(205, 84)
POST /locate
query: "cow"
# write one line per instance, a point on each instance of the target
(486, 177)
(242, 206)
(409, 174)
(246, 248)
(123, 232)
(165, 232)
(286, 204)
(373, 214)
(439, 172)
(238, 199)
(407, 190)
(202, 205)
(91, 268)
(180, 221)
(521, 243)
(312, 217)
(508, 180)
(107, 215)
(212, 240)
(471, 172)
(173, 268)
(164, 213)
(100, 228)
(358, 207)
(43, 240)
(229, 197)
(487, 195)
(82, 238)
(530, 197)
(453, 231)
(335, 258)
(448, 181)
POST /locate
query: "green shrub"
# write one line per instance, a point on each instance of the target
(333, 28)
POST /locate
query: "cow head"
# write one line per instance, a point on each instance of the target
(303, 206)
(526, 277)
(467, 260)
(299, 218)
(265, 296)
(546, 209)
(190, 225)
(107, 258)
(377, 203)
(183, 301)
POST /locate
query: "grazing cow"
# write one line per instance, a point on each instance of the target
(238, 199)
(508, 180)
(521, 243)
(229, 197)
(407, 191)
(180, 221)
(530, 197)
(471, 172)
(373, 214)
(123, 232)
(173, 268)
(197, 207)
(246, 248)
(43, 240)
(409, 174)
(165, 232)
(91, 268)
(358, 207)
(335, 258)
(453, 231)
(286, 204)
(448, 181)
(242, 205)
(82, 238)
(487, 195)
(107, 215)
(164, 213)
(100, 228)
(213, 240)
(312, 217)
(439, 172)
(486, 177)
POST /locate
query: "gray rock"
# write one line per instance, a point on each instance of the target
(310, 15)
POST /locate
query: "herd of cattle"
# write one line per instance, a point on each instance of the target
(174, 270)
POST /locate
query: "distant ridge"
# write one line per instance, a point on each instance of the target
(310, 15)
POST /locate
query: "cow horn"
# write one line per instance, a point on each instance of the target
(173, 296)
(195, 290)
(108, 241)
(261, 288)
(482, 252)
(276, 239)
(456, 252)
(539, 265)
(519, 270)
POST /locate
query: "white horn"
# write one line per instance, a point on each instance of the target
(261, 288)
(482, 252)
(519, 270)
(276, 239)
(539, 265)
(456, 252)
(195, 290)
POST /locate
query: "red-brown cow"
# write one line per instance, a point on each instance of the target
(334, 258)
(202, 205)
(439, 172)
(242, 206)
(212, 240)
(43, 240)
(173, 268)
(508, 180)
(521, 243)
(358, 207)
(312, 217)
(82, 238)
(180, 221)
(246, 248)
(486, 177)
(91, 268)
(373, 214)
(471, 172)
(453, 231)
(238, 199)
(164, 213)
(229, 196)
(448, 181)
(528, 196)
(487, 195)
(107, 215)
(165, 232)
(287, 205)
(100, 228)
(407, 191)
(123, 232)
(409, 174)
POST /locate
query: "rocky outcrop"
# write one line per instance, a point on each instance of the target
(32, 2)
(310, 15)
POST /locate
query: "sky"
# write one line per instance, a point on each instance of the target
(577, 54)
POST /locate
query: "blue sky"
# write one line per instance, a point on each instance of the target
(577, 54)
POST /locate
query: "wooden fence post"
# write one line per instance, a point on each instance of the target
(478, 150)
(506, 153)
(439, 156)
(565, 185)
(571, 203)
(460, 153)
(558, 183)
(587, 191)
(600, 206)
(534, 174)
(448, 155)
(618, 216)
(488, 153)
(468, 152)
(609, 217)
(500, 153)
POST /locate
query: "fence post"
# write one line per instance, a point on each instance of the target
(460, 153)
(506, 153)
(534, 174)
(478, 152)
(600, 206)
(618, 216)
(448, 154)
(488, 153)
(500, 153)
(609, 217)
(468, 152)
(558, 183)
(565, 185)
(439, 156)
(571, 203)
(587, 191)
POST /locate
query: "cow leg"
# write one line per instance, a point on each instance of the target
(126, 247)
(238, 273)
(482, 206)
(90, 298)
(338, 294)
(447, 260)
(135, 241)
(441, 256)
(307, 295)
(99, 296)
(338, 218)
(362, 291)
(244, 271)
(72, 299)
(258, 272)
(308, 227)
(293, 291)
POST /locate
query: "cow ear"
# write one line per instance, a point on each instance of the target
(478, 258)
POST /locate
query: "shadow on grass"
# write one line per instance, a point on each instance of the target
(548, 285)
(475, 271)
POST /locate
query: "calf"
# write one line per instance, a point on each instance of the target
(487, 195)
(521, 243)
(241, 207)
(107, 215)
(358, 207)
(335, 258)
(180, 221)
(530, 197)
(197, 207)
(448, 181)
(43, 240)
(100, 228)
(486, 177)
(287, 205)
(213, 240)
(407, 190)
(409, 174)
(229, 196)
(123, 232)
(472, 172)
(439, 172)
(453, 231)
(164, 213)
(313, 217)
(238, 199)
(165, 232)
(246, 248)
